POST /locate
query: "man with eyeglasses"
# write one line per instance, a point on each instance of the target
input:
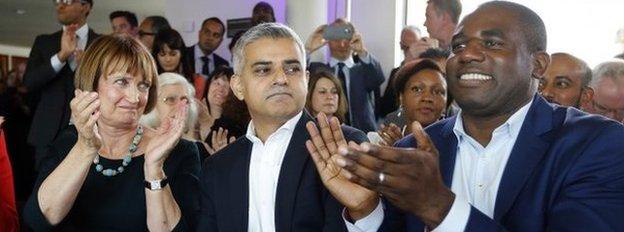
(50, 71)
(608, 85)
(150, 27)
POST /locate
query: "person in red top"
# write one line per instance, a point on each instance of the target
(8, 214)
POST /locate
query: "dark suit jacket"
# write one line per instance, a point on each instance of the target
(565, 173)
(363, 80)
(56, 89)
(217, 61)
(302, 202)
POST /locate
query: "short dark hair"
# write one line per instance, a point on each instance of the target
(159, 23)
(216, 20)
(129, 16)
(408, 70)
(88, 1)
(530, 23)
(434, 54)
(174, 41)
(260, 6)
(452, 7)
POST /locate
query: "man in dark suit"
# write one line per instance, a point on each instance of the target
(508, 160)
(201, 56)
(266, 181)
(358, 71)
(50, 71)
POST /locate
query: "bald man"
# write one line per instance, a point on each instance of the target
(566, 81)
(608, 85)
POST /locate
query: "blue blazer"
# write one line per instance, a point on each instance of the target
(302, 202)
(565, 173)
(364, 79)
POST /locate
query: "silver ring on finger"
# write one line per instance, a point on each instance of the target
(382, 177)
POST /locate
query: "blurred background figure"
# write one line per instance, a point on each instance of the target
(222, 116)
(359, 71)
(124, 22)
(202, 58)
(262, 13)
(441, 18)
(608, 84)
(150, 27)
(566, 81)
(9, 221)
(423, 97)
(325, 94)
(169, 51)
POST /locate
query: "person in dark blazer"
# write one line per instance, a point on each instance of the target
(50, 72)
(509, 161)
(266, 180)
(359, 72)
(202, 58)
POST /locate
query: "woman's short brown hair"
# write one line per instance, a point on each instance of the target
(111, 53)
(315, 76)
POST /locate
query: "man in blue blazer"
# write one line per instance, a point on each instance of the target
(508, 160)
(359, 72)
(266, 180)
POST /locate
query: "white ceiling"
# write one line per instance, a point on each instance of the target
(40, 17)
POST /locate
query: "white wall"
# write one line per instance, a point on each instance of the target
(186, 16)
(380, 23)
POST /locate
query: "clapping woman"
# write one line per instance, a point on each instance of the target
(107, 172)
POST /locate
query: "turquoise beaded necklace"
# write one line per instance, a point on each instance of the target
(126, 159)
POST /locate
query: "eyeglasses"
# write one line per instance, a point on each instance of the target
(68, 2)
(172, 100)
(603, 110)
(143, 33)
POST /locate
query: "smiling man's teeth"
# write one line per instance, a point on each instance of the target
(475, 76)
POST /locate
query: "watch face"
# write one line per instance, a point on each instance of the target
(155, 185)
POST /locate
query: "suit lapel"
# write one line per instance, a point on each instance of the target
(290, 175)
(447, 150)
(238, 183)
(92, 36)
(528, 151)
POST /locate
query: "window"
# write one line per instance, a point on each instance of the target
(586, 29)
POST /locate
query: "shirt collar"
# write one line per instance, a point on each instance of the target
(348, 62)
(510, 128)
(288, 127)
(82, 32)
(199, 53)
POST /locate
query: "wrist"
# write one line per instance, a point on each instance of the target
(62, 56)
(153, 171)
(363, 211)
(86, 146)
(436, 210)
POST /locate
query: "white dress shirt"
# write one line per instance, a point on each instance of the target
(264, 169)
(479, 170)
(82, 35)
(199, 63)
